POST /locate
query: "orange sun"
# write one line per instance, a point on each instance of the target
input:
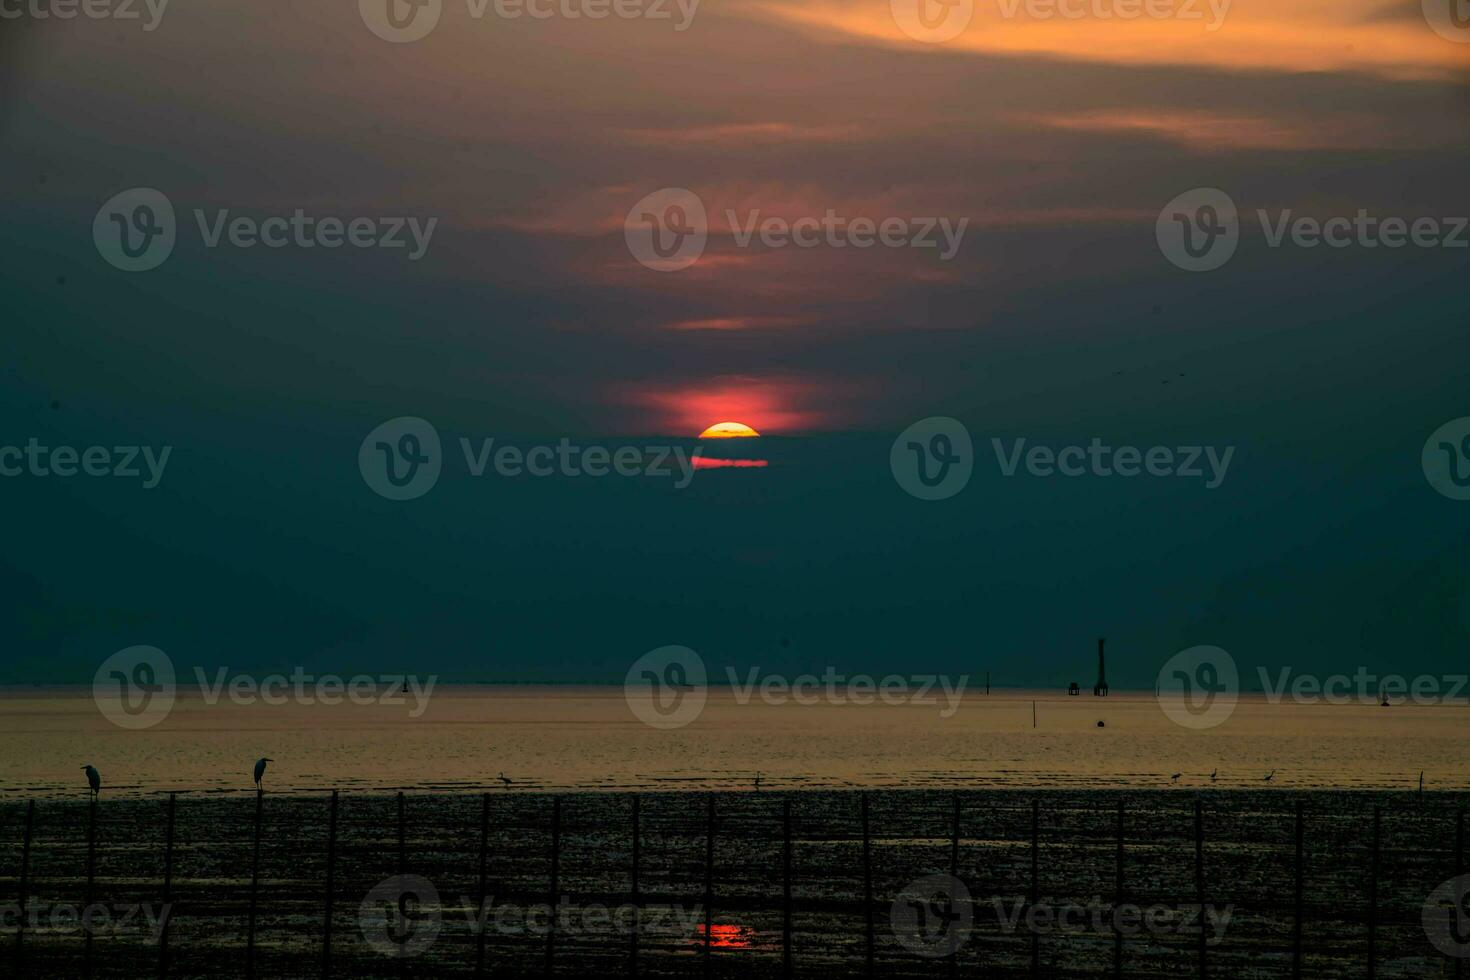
(729, 430)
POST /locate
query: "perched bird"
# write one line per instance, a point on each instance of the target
(757, 782)
(1270, 775)
(1213, 774)
(260, 770)
(94, 779)
(505, 780)
(1176, 776)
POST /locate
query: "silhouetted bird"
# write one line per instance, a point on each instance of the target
(504, 780)
(260, 770)
(1270, 775)
(94, 780)
(1213, 774)
(1176, 776)
(757, 782)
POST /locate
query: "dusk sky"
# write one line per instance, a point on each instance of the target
(529, 319)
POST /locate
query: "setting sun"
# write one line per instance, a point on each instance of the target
(729, 430)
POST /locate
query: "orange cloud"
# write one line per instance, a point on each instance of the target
(1254, 35)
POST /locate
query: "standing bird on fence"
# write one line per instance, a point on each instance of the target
(260, 772)
(1270, 776)
(94, 780)
(1175, 778)
(505, 780)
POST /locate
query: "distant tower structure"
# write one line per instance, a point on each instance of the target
(1100, 689)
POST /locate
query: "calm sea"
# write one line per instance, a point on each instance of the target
(562, 738)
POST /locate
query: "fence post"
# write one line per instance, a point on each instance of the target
(709, 877)
(786, 887)
(331, 886)
(1459, 870)
(1118, 900)
(254, 888)
(555, 883)
(954, 872)
(168, 885)
(91, 880)
(402, 869)
(480, 887)
(1373, 894)
(637, 904)
(25, 881)
(867, 883)
(1034, 890)
(1199, 881)
(1296, 929)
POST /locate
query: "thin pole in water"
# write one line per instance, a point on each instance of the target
(786, 887)
(254, 888)
(555, 882)
(480, 888)
(1199, 882)
(1459, 870)
(709, 878)
(954, 872)
(331, 886)
(1296, 930)
(637, 905)
(1118, 900)
(402, 869)
(91, 879)
(168, 884)
(1373, 894)
(25, 876)
(1035, 889)
(867, 884)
